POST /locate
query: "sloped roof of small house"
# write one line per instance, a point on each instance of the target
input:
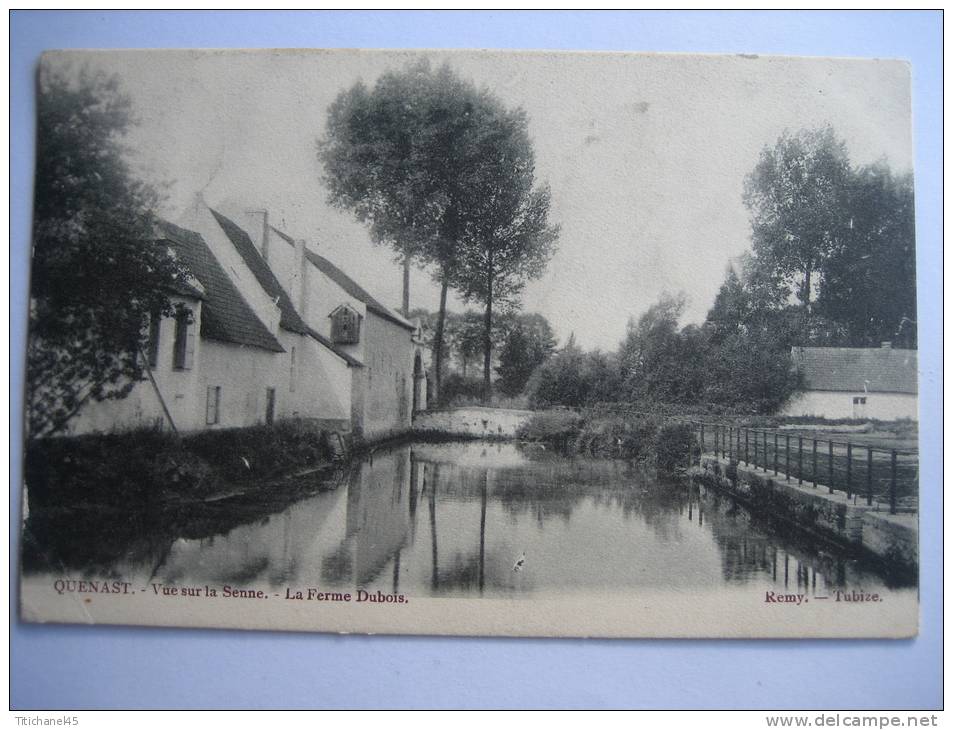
(289, 318)
(226, 316)
(881, 369)
(350, 286)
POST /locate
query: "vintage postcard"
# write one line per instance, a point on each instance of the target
(473, 342)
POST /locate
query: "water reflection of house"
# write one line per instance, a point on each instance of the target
(377, 523)
(266, 329)
(273, 550)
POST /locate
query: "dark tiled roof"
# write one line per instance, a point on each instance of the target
(187, 290)
(883, 370)
(350, 286)
(226, 316)
(349, 359)
(290, 319)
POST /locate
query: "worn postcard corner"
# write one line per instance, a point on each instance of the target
(473, 343)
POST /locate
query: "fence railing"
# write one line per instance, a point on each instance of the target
(871, 473)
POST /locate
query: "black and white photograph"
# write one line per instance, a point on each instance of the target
(473, 343)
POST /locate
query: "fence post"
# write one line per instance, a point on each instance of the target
(893, 481)
(731, 438)
(787, 457)
(764, 435)
(830, 466)
(850, 459)
(814, 462)
(755, 449)
(724, 436)
(870, 476)
(800, 460)
(702, 427)
(775, 453)
(747, 462)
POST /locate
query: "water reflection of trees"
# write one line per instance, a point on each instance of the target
(752, 545)
(397, 504)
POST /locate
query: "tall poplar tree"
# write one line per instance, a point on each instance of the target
(410, 158)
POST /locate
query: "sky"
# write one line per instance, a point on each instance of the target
(645, 154)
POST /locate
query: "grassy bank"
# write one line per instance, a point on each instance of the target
(147, 466)
(650, 439)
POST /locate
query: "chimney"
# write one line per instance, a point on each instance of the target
(260, 239)
(886, 345)
(264, 235)
(301, 276)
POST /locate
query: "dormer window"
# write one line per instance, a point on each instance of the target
(345, 326)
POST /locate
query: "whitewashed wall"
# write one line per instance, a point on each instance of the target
(389, 377)
(840, 404)
(322, 381)
(142, 407)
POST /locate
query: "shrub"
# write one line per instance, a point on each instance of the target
(673, 445)
(139, 467)
(558, 428)
(731, 472)
(458, 390)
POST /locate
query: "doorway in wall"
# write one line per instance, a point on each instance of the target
(269, 406)
(860, 406)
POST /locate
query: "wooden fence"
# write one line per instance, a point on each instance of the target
(889, 476)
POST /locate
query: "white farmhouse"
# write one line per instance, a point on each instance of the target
(263, 335)
(848, 382)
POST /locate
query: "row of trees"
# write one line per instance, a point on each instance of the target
(520, 343)
(836, 239)
(832, 264)
(444, 174)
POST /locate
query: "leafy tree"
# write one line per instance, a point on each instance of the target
(574, 378)
(510, 240)
(797, 196)
(749, 372)
(466, 333)
(561, 379)
(870, 282)
(414, 158)
(649, 355)
(528, 343)
(98, 273)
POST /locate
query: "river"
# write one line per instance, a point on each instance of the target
(472, 519)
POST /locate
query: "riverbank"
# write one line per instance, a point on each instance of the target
(642, 438)
(146, 467)
(868, 530)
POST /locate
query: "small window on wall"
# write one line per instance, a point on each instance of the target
(155, 321)
(345, 326)
(213, 402)
(184, 346)
(859, 401)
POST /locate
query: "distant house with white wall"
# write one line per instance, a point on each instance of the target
(848, 382)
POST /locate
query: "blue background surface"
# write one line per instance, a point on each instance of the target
(105, 667)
